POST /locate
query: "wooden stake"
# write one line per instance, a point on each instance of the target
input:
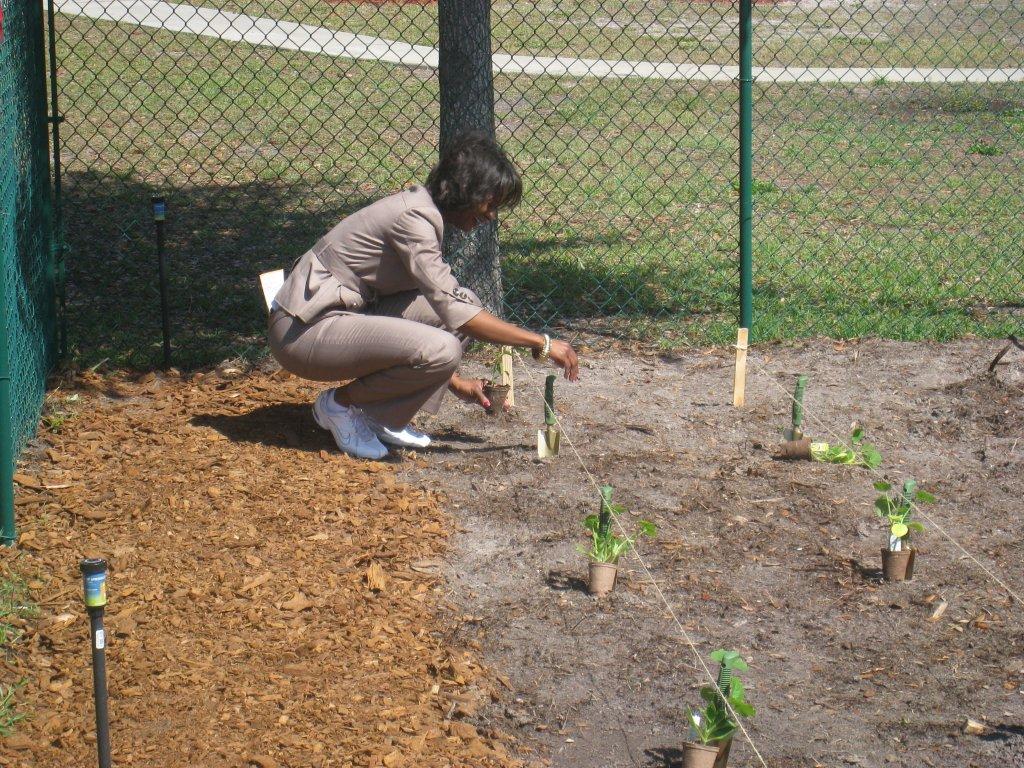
(739, 390)
(506, 374)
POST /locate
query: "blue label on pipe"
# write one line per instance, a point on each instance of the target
(95, 590)
(159, 210)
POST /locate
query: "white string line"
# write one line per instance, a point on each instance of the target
(881, 476)
(650, 576)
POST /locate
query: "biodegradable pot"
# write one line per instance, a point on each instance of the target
(897, 566)
(699, 755)
(602, 578)
(497, 394)
(795, 450)
(722, 761)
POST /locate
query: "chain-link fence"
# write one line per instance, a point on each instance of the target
(887, 173)
(887, 141)
(27, 309)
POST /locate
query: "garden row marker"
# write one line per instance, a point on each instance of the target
(931, 521)
(506, 375)
(739, 387)
(94, 578)
(657, 587)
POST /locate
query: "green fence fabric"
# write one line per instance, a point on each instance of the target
(888, 151)
(27, 309)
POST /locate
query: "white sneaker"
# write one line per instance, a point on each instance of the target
(406, 437)
(348, 426)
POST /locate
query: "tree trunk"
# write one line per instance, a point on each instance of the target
(467, 104)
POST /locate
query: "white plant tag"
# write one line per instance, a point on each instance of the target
(101, 640)
(271, 283)
(895, 544)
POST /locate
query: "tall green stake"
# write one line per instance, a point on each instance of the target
(746, 164)
(7, 532)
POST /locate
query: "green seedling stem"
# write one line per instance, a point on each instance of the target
(549, 407)
(798, 402)
(724, 680)
(604, 522)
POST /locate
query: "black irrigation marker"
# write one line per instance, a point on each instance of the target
(94, 577)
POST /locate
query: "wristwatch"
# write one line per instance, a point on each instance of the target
(544, 352)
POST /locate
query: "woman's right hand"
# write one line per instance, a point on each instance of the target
(564, 356)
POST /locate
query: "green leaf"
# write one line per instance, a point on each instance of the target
(743, 709)
(915, 526)
(647, 528)
(872, 457)
(925, 497)
(857, 436)
(735, 662)
(881, 485)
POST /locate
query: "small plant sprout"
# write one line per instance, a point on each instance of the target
(606, 546)
(860, 453)
(502, 365)
(722, 702)
(897, 509)
(498, 388)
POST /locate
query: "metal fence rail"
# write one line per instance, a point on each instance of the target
(888, 145)
(27, 309)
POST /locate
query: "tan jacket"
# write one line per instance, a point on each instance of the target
(391, 246)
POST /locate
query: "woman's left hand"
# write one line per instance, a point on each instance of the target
(469, 391)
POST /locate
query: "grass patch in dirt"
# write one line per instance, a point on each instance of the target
(270, 602)
(16, 610)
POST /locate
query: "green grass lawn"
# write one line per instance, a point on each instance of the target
(800, 34)
(875, 214)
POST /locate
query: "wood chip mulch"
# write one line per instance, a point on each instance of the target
(272, 602)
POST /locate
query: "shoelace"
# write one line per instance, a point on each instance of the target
(362, 424)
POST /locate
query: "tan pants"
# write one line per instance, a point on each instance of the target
(396, 353)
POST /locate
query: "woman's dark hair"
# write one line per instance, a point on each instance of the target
(471, 171)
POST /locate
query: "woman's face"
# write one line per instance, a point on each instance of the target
(470, 218)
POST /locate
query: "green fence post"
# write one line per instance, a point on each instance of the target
(7, 532)
(746, 164)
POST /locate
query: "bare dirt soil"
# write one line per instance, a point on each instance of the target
(778, 560)
(276, 604)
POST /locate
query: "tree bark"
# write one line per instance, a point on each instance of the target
(467, 104)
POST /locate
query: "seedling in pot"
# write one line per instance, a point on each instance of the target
(860, 453)
(898, 509)
(496, 389)
(711, 728)
(549, 437)
(607, 547)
